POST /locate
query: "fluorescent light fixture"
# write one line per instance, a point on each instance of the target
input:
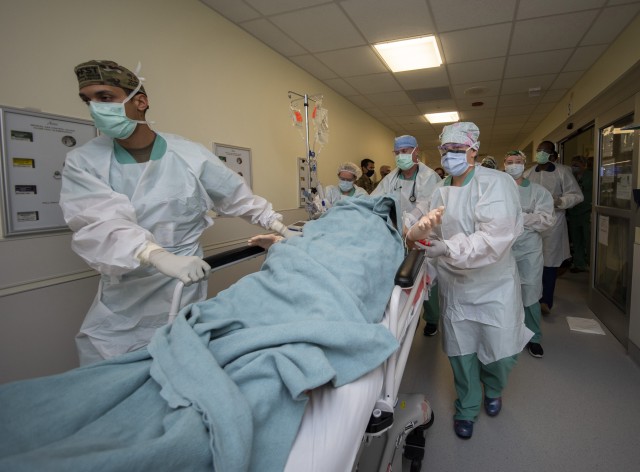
(410, 54)
(446, 117)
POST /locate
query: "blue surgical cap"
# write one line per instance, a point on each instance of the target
(404, 141)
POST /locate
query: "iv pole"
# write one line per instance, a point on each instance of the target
(311, 156)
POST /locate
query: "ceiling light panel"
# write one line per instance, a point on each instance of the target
(410, 54)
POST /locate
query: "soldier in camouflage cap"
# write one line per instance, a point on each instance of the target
(107, 73)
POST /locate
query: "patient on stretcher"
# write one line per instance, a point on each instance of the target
(224, 386)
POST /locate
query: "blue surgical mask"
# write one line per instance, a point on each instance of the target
(514, 170)
(542, 157)
(455, 163)
(405, 161)
(111, 118)
(345, 185)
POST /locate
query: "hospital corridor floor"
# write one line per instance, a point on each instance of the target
(575, 409)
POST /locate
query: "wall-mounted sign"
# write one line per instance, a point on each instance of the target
(238, 159)
(34, 146)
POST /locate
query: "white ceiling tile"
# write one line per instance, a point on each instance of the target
(437, 106)
(303, 25)
(537, 63)
(375, 112)
(556, 32)
(455, 14)
(584, 57)
(472, 71)
(523, 84)
(535, 8)
(269, 34)
(272, 7)
(517, 99)
(467, 103)
(509, 120)
(476, 90)
(372, 17)
(566, 80)
(610, 24)
(375, 83)
(554, 96)
(390, 99)
(545, 108)
(423, 78)
(477, 115)
(618, 2)
(508, 126)
(313, 66)
(234, 11)
(353, 61)
(514, 111)
(342, 87)
(476, 43)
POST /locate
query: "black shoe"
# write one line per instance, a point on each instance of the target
(430, 329)
(463, 428)
(535, 349)
(544, 308)
(492, 405)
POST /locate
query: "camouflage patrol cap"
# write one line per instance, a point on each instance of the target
(106, 73)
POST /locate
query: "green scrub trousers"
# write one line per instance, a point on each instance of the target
(532, 316)
(431, 307)
(470, 375)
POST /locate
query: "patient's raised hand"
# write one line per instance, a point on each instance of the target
(265, 241)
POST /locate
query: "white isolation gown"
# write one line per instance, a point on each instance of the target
(115, 205)
(537, 216)
(560, 182)
(418, 190)
(333, 194)
(480, 299)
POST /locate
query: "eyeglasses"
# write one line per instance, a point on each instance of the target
(445, 149)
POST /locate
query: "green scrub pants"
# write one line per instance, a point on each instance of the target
(532, 321)
(470, 375)
(431, 307)
(580, 234)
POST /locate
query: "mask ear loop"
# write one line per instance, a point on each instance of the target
(136, 90)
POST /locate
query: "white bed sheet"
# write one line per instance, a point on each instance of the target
(333, 424)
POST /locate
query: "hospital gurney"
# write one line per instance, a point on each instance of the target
(396, 423)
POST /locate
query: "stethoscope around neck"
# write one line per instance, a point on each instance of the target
(412, 198)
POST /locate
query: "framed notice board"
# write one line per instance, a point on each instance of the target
(34, 147)
(236, 158)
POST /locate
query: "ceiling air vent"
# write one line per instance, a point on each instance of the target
(429, 94)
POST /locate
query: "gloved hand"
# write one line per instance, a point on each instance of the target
(434, 248)
(188, 269)
(279, 227)
(557, 201)
(423, 227)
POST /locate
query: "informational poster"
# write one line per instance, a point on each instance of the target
(238, 159)
(603, 230)
(34, 147)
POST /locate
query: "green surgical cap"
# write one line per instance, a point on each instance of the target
(106, 73)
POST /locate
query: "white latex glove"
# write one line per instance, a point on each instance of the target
(557, 201)
(279, 227)
(434, 248)
(188, 269)
(265, 241)
(423, 227)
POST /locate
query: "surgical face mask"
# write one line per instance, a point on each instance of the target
(455, 162)
(370, 173)
(111, 118)
(514, 170)
(345, 185)
(404, 161)
(542, 157)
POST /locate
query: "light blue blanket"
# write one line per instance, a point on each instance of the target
(223, 387)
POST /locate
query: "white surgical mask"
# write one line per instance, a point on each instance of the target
(455, 163)
(514, 170)
(542, 157)
(405, 160)
(345, 185)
